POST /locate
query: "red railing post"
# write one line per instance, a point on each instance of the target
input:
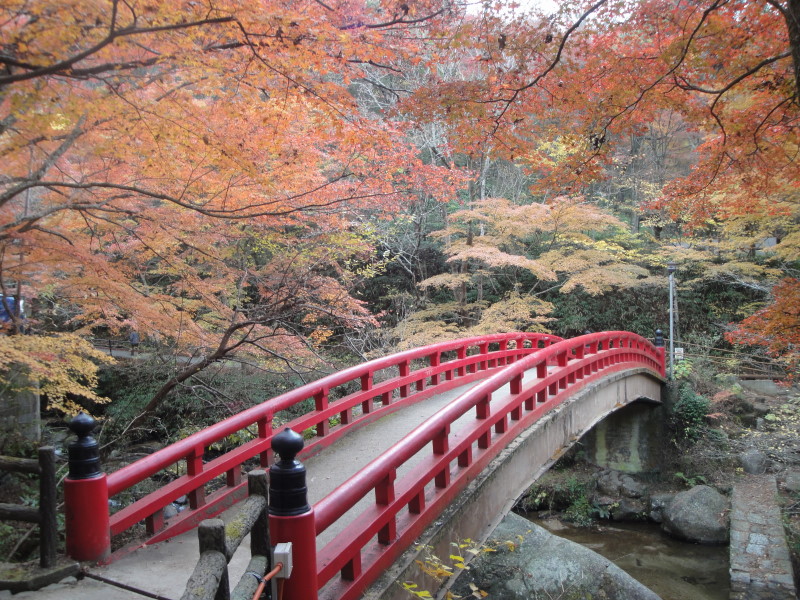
(321, 403)
(194, 466)
(264, 431)
(435, 360)
(483, 411)
(405, 368)
(86, 496)
(384, 495)
(366, 385)
(501, 361)
(483, 348)
(291, 518)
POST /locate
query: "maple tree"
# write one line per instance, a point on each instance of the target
(776, 327)
(194, 171)
(507, 259)
(564, 94)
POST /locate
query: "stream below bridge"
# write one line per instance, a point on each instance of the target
(673, 569)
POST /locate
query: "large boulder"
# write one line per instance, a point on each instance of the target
(791, 481)
(698, 515)
(753, 462)
(657, 504)
(529, 563)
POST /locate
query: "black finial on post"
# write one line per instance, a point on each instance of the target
(659, 341)
(288, 494)
(84, 453)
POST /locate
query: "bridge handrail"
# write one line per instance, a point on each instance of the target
(589, 354)
(465, 367)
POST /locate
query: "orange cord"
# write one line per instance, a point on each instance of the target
(263, 581)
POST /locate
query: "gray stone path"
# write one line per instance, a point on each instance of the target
(760, 565)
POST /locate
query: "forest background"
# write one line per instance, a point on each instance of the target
(300, 185)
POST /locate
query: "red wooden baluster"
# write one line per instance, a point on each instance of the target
(501, 360)
(502, 425)
(155, 522)
(264, 425)
(516, 384)
(465, 458)
(417, 504)
(541, 370)
(462, 354)
(435, 360)
(233, 477)
(194, 466)
(366, 385)
(321, 403)
(404, 371)
(441, 445)
(483, 348)
(384, 495)
(352, 569)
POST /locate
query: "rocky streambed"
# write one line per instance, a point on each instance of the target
(629, 541)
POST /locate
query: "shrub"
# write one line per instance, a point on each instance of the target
(689, 414)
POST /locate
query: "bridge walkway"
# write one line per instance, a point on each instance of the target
(162, 569)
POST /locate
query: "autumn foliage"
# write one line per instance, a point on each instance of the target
(197, 172)
(776, 327)
(210, 174)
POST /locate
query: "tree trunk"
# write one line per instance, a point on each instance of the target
(791, 14)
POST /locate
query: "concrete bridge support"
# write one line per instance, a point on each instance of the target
(478, 510)
(628, 440)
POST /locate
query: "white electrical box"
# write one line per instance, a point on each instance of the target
(283, 554)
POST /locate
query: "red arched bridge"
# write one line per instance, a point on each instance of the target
(515, 381)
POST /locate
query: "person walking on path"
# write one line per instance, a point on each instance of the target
(134, 340)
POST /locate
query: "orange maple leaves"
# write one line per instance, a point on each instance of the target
(776, 327)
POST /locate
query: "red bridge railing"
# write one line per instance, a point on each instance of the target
(384, 385)
(404, 507)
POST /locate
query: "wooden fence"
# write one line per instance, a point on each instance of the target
(219, 539)
(45, 515)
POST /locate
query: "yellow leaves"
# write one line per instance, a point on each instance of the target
(412, 589)
(447, 280)
(510, 545)
(434, 567)
(551, 153)
(493, 257)
(458, 561)
(62, 366)
(476, 592)
(319, 336)
(514, 313)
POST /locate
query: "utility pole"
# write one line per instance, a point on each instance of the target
(671, 268)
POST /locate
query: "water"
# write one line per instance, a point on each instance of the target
(673, 569)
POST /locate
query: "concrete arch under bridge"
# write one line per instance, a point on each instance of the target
(482, 505)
